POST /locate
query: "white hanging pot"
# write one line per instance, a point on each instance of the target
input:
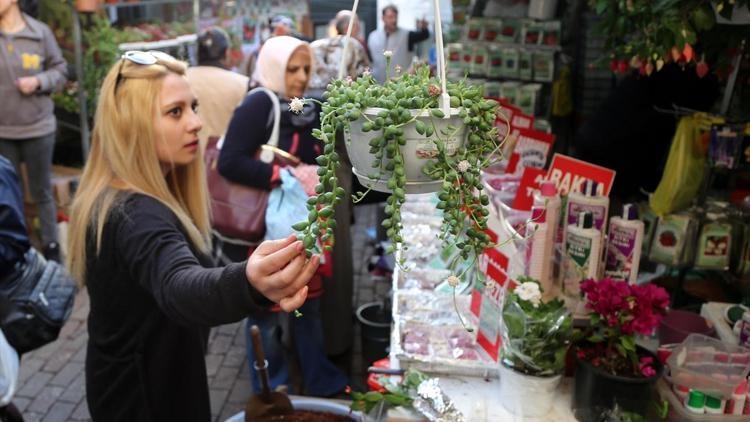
(418, 151)
(527, 395)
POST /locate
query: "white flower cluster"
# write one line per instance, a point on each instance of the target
(388, 53)
(430, 390)
(529, 291)
(296, 105)
(463, 166)
(453, 281)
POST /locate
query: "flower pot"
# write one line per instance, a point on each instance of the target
(313, 405)
(87, 5)
(417, 152)
(527, 395)
(376, 331)
(597, 391)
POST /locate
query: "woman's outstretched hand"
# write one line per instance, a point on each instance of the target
(280, 271)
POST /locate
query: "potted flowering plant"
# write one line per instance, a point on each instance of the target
(536, 335)
(612, 370)
(400, 140)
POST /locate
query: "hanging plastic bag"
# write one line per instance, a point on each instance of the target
(8, 371)
(684, 171)
(286, 206)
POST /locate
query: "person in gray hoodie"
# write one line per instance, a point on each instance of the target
(31, 68)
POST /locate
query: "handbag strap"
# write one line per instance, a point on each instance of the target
(266, 155)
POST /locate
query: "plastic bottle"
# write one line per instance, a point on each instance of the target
(715, 406)
(737, 404)
(624, 244)
(582, 251)
(545, 214)
(588, 200)
(696, 402)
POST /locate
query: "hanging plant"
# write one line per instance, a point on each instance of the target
(643, 35)
(411, 146)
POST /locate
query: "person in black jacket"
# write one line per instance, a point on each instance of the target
(139, 241)
(14, 239)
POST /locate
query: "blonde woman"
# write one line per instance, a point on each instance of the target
(139, 242)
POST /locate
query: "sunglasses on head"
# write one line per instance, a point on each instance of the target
(145, 58)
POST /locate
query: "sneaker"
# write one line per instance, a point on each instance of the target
(52, 252)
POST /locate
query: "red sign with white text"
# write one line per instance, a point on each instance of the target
(531, 179)
(570, 174)
(532, 149)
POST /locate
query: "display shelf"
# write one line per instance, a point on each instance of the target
(499, 44)
(161, 44)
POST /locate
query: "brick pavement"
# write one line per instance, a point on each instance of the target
(51, 381)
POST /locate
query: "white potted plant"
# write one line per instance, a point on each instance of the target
(535, 339)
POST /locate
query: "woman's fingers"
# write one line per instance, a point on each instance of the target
(289, 304)
(270, 246)
(301, 278)
(272, 263)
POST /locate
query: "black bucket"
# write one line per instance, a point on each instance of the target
(376, 331)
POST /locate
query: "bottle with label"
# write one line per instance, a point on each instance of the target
(582, 251)
(624, 245)
(588, 200)
(545, 215)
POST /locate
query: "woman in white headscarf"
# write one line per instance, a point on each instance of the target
(284, 66)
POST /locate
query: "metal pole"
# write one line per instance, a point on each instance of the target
(729, 90)
(83, 115)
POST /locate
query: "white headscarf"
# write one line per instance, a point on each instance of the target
(270, 69)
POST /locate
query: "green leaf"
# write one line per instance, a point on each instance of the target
(628, 342)
(373, 396)
(420, 127)
(302, 225)
(436, 112)
(596, 338)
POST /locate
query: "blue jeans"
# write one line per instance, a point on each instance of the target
(321, 377)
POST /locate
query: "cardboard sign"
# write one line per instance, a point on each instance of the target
(531, 150)
(570, 174)
(531, 179)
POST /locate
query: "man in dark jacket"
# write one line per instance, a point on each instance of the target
(14, 240)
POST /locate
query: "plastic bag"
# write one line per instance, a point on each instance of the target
(683, 173)
(8, 371)
(286, 206)
(535, 336)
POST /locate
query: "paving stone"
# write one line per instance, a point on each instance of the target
(212, 364)
(80, 355)
(229, 410)
(217, 401)
(69, 328)
(220, 344)
(76, 391)
(225, 378)
(34, 385)
(67, 374)
(57, 361)
(230, 329)
(82, 412)
(21, 403)
(241, 391)
(59, 412)
(46, 351)
(33, 417)
(235, 357)
(28, 368)
(45, 399)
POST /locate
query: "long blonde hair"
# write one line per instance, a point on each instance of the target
(123, 159)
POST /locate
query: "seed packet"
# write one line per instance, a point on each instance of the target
(542, 125)
(552, 30)
(532, 32)
(509, 91)
(453, 54)
(474, 29)
(467, 58)
(714, 244)
(478, 65)
(509, 31)
(529, 98)
(544, 66)
(670, 239)
(526, 65)
(495, 65)
(725, 146)
(492, 89)
(510, 62)
(492, 29)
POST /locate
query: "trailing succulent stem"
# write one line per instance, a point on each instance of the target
(461, 197)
